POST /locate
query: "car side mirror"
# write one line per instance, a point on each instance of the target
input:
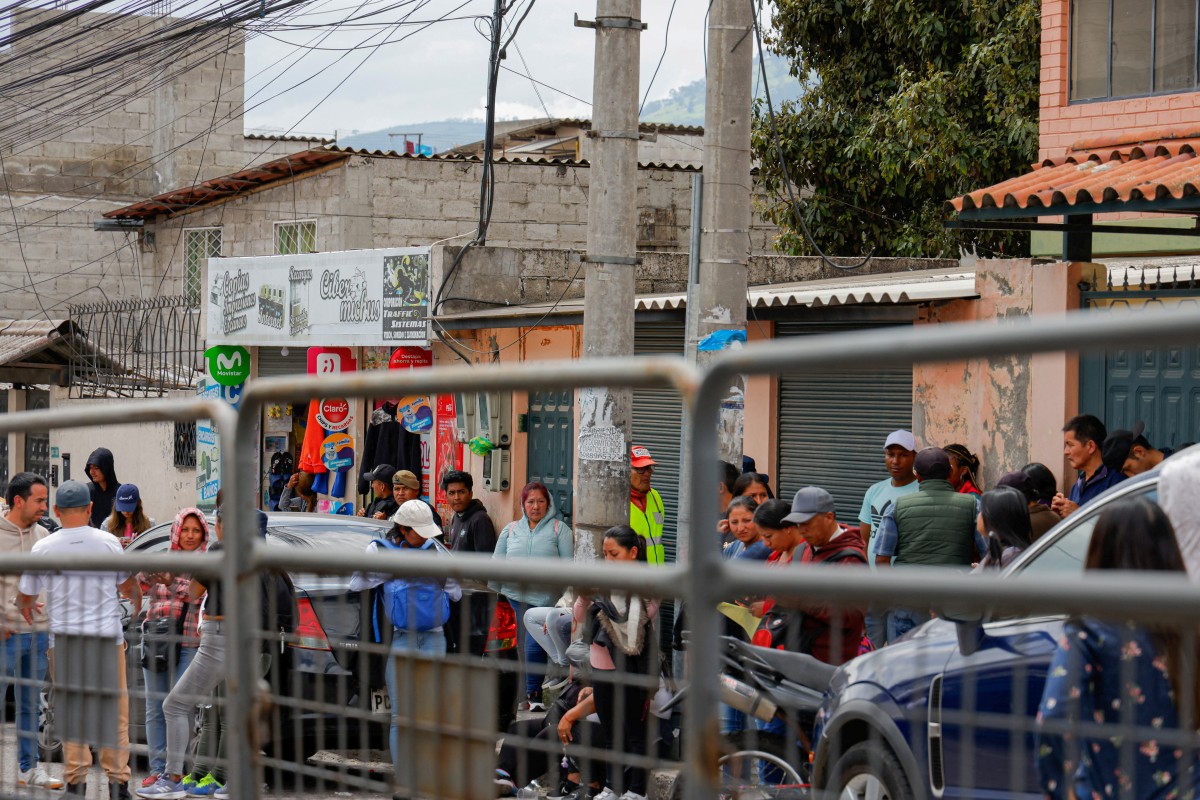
(968, 624)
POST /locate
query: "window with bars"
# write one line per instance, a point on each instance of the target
(185, 444)
(199, 244)
(295, 237)
(1128, 48)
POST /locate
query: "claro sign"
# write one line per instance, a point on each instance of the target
(355, 298)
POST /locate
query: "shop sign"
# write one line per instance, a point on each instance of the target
(208, 446)
(409, 357)
(330, 360)
(334, 414)
(337, 451)
(415, 414)
(228, 364)
(353, 298)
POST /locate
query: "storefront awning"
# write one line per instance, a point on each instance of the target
(42, 351)
(900, 288)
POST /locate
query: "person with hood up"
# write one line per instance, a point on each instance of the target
(170, 633)
(24, 645)
(539, 533)
(103, 485)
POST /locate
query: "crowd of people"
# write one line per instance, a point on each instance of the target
(578, 649)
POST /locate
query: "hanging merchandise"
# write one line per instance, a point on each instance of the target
(338, 451)
(387, 442)
(481, 446)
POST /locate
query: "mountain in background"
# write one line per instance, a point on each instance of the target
(684, 105)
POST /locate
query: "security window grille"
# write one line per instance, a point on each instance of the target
(295, 237)
(1127, 48)
(185, 444)
(199, 244)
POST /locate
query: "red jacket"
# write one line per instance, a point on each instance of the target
(823, 624)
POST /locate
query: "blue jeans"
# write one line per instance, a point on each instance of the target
(431, 643)
(158, 685)
(534, 654)
(23, 663)
(901, 621)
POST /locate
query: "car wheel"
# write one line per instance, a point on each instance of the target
(869, 770)
(49, 745)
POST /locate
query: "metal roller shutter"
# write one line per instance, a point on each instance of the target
(832, 426)
(658, 422)
(271, 364)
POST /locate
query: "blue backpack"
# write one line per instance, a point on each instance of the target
(414, 604)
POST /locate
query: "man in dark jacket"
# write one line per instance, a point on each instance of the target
(833, 633)
(471, 529)
(103, 486)
(384, 505)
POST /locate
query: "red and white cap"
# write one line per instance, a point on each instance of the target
(640, 457)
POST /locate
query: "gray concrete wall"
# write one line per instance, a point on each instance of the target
(89, 157)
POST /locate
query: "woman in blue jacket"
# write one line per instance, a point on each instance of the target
(1125, 682)
(539, 533)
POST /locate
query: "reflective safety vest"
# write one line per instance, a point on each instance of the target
(649, 525)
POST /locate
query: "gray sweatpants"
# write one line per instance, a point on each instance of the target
(195, 685)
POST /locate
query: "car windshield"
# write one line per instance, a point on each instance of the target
(1067, 551)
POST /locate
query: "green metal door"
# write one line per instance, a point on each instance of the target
(552, 445)
(1158, 386)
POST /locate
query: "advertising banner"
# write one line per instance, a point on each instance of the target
(208, 450)
(352, 298)
(449, 450)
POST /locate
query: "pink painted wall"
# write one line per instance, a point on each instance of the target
(761, 409)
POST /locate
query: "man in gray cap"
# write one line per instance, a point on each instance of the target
(934, 527)
(85, 620)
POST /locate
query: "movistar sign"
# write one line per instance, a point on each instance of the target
(228, 364)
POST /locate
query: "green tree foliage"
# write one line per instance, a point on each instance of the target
(914, 102)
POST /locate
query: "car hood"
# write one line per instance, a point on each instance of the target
(903, 668)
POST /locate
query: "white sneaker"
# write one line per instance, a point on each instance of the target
(39, 778)
(633, 796)
(606, 794)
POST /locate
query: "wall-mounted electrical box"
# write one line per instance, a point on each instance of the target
(496, 471)
(464, 416)
(494, 417)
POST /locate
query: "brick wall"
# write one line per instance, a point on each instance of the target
(1063, 123)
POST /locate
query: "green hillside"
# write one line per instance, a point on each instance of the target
(685, 104)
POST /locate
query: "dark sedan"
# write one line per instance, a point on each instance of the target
(894, 723)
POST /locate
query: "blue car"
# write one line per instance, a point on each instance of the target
(948, 711)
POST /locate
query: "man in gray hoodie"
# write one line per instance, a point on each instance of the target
(23, 645)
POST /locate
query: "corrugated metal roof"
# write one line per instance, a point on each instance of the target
(1159, 166)
(463, 158)
(40, 349)
(889, 289)
(269, 137)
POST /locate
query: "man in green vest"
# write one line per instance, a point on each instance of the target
(934, 527)
(646, 512)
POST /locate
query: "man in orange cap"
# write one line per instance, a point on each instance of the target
(646, 512)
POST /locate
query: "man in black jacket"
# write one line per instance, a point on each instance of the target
(471, 529)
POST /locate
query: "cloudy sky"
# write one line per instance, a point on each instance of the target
(375, 73)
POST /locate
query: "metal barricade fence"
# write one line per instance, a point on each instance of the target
(321, 689)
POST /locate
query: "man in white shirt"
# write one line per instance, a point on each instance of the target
(85, 604)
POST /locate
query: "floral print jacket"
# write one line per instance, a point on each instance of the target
(1107, 726)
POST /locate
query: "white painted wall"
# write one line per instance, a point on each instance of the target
(142, 452)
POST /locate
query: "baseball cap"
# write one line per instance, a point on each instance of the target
(640, 457)
(382, 472)
(932, 462)
(1117, 445)
(405, 478)
(417, 515)
(808, 502)
(903, 438)
(72, 494)
(127, 498)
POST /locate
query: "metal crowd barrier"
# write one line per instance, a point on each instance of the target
(449, 732)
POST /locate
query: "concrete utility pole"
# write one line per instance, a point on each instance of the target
(718, 301)
(602, 483)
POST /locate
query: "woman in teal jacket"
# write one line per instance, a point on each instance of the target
(539, 533)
